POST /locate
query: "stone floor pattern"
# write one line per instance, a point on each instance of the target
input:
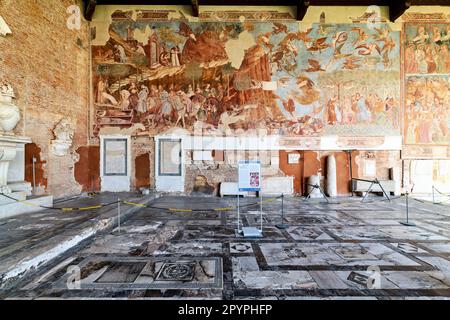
(328, 251)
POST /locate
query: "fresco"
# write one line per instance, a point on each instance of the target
(427, 83)
(229, 77)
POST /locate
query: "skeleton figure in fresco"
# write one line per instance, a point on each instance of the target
(142, 103)
(103, 97)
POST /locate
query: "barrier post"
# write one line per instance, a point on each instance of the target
(379, 183)
(282, 225)
(238, 213)
(368, 190)
(260, 211)
(432, 191)
(407, 223)
(118, 212)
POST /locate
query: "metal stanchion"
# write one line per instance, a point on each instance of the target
(432, 191)
(316, 186)
(282, 225)
(407, 223)
(118, 212)
(261, 211)
(238, 215)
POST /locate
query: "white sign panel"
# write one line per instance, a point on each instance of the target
(115, 157)
(293, 158)
(249, 175)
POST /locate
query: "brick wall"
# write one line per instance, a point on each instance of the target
(47, 64)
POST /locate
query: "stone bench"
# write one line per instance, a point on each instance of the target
(231, 189)
(277, 186)
(270, 186)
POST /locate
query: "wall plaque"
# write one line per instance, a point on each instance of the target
(115, 157)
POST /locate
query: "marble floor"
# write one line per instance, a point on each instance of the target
(340, 250)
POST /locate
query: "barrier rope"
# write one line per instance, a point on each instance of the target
(63, 209)
(441, 193)
(185, 210)
(102, 205)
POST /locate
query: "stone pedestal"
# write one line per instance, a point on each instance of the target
(12, 164)
(314, 192)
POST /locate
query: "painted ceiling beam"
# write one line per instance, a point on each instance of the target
(195, 7)
(396, 9)
(89, 9)
(302, 7)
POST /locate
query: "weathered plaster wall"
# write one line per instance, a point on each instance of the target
(143, 154)
(87, 169)
(47, 64)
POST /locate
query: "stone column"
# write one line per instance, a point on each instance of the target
(331, 176)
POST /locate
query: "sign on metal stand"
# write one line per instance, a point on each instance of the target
(249, 179)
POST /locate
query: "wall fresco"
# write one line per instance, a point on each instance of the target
(427, 83)
(228, 77)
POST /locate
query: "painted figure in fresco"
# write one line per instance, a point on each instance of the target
(124, 99)
(420, 58)
(181, 108)
(164, 56)
(447, 35)
(364, 115)
(175, 56)
(166, 106)
(120, 54)
(425, 129)
(421, 37)
(411, 65)
(190, 92)
(142, 102)
(444, 59)
(139, 49)
(103, 97)
(134, 95)
(151, 99)
(429, 58)
(331, 111)
(436, 37)
(348, 115)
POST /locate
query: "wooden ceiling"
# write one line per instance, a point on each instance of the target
(396, 7)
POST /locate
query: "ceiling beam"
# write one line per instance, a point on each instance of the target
(302, 7)
(195, 7)
(89, 9)
(397, 8)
